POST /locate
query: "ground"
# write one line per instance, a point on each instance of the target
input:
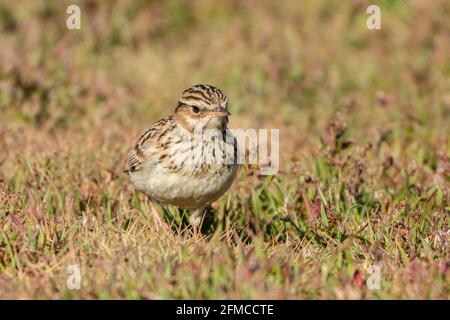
(362, 193)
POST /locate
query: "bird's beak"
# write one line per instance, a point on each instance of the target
(219, 112)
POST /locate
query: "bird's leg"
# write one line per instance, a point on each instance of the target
(159, 223)
(195, 219)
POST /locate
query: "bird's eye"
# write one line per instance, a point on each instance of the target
(195, 109)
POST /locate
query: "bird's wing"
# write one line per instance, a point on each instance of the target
(149, 140)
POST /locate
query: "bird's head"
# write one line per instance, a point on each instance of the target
(202, 106)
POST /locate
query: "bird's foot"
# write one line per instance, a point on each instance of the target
(195, 220)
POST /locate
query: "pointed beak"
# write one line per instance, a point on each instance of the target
(219, 112)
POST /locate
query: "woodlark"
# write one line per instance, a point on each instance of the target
(188, 159)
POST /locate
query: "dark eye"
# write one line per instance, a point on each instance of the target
(195, 109)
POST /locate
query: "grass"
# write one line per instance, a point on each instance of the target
(364, 118)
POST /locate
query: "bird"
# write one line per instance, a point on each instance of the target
(187, 159)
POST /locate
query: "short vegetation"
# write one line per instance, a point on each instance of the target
(364, 119)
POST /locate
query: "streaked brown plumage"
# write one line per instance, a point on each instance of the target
(188, 159)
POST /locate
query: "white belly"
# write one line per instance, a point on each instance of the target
(185, 191)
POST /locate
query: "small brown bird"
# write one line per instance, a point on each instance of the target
(188, 159)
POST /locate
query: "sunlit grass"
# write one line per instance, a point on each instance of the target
(364, 118)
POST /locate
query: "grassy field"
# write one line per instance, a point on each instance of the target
(364, 119)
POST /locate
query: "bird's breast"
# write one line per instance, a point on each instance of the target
(191, 174)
